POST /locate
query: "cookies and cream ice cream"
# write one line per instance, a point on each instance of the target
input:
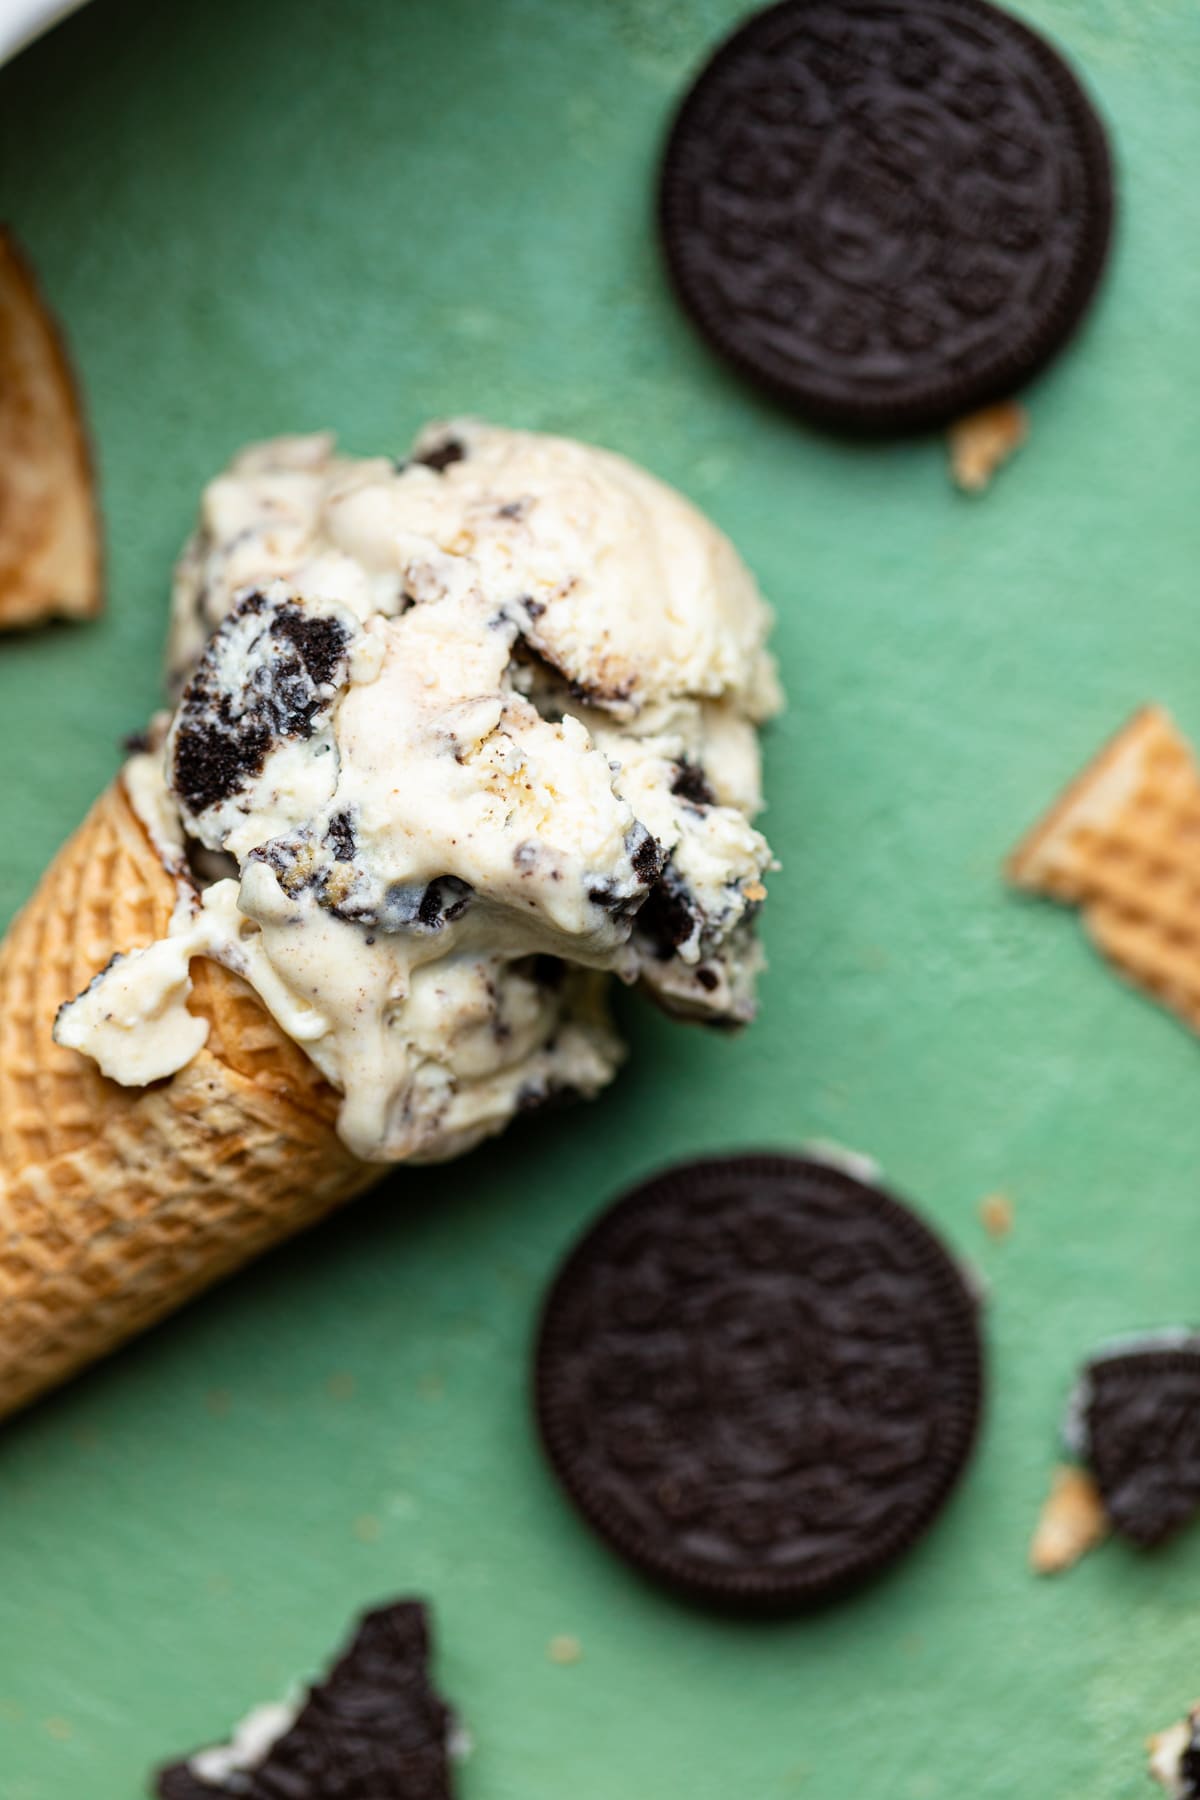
(455, 739)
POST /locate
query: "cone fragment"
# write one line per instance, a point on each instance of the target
(1123, 844)
(1072, 1522)
(118, 1204)
(50, 551)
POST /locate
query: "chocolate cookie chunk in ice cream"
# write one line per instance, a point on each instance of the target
(455, 739)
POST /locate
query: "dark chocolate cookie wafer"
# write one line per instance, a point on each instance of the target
(1142, 1426)
(374, 1729)
(759, 1378)
(890, 211)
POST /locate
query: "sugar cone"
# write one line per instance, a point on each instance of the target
(118, 1204)
(1123, 844)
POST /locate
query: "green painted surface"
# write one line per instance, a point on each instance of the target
(273, 217)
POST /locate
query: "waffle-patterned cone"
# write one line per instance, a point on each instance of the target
(118, 1204)
(1123, 844)
(50, 551)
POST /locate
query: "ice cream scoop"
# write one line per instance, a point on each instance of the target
(455, 739)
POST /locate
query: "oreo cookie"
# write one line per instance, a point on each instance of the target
(890, 213)
(759, 1379)
(374, 1729)
(1139, 1409)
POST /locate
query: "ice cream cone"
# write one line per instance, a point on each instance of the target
(118, 1204)
(1123, 844)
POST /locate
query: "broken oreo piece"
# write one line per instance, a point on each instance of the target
(759, 1379)
(1139, 1413)
(890, 215)
(374, 1729)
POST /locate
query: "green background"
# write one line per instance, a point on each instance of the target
(278, 216)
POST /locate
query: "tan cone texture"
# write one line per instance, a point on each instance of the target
(50, 554)
(118, 1204)
(1123, 844)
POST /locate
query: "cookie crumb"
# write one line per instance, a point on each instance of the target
(996, 1212)
(1073, 1521)
(983, 441)
(564, 1649)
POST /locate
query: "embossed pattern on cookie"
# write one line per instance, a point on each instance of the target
(889, 211)
(759, 1379)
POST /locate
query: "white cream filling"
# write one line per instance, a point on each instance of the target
(251, 1743)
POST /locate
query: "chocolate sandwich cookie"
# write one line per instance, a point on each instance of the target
(374, 1729)
(759, 1378)
(1137, 1424)
(888, 211)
